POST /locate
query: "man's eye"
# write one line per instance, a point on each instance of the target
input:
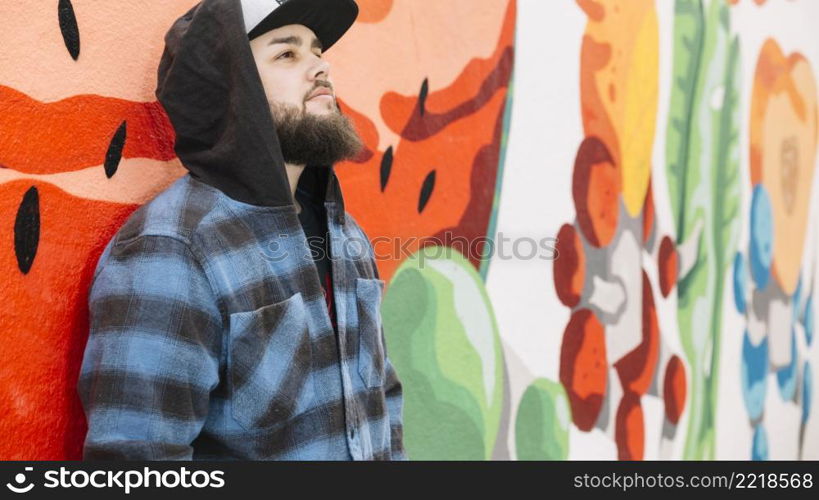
(286, 55)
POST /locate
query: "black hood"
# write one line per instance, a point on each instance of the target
(212, 92)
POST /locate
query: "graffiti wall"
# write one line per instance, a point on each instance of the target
(598, 220)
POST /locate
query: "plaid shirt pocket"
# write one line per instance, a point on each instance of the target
(370, 344)
(269, 364)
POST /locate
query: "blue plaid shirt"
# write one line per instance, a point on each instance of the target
(210, 338)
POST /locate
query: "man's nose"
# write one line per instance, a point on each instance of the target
(320, 69)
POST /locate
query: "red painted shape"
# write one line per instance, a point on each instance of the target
(75, 133)
(668, 266)
(366, 130)
(629, 432)
(583, 367)
(596, 187)
(569, 266)
(674, 389)
(649, 219)
(45, 320)
(636, 369)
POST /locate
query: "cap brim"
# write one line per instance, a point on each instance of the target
(328, 19)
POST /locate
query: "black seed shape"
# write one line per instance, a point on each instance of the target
(27, 230)
(422, 96)
(426, 191)
(386, 168)
(114, 153)
(68, 27)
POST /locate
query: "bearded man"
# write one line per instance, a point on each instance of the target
(237, 314)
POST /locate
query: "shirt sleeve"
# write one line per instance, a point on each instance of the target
(153, 351)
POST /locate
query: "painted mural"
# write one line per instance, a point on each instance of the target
(702, 154)
(768, 275)
(665, 152)
(611, 344)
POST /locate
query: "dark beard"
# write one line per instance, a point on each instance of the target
(314, 140)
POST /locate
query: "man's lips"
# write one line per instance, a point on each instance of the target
(321, 92)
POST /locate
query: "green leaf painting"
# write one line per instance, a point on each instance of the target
(443, 340)
(702, 155)
(542, 423)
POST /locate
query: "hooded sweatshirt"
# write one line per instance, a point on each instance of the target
(210, 337)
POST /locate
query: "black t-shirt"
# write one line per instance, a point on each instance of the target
(313, 218)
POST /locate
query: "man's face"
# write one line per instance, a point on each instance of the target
(289, 60)
(309, 125)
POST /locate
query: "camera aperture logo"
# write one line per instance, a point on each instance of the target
(121, 479)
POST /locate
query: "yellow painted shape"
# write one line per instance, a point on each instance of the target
(627, 88)
(788, 164)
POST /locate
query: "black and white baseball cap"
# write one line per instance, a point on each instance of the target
(328, 19)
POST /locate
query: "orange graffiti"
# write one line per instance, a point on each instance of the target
(439, 180)
(619, 85)
(783, 141)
